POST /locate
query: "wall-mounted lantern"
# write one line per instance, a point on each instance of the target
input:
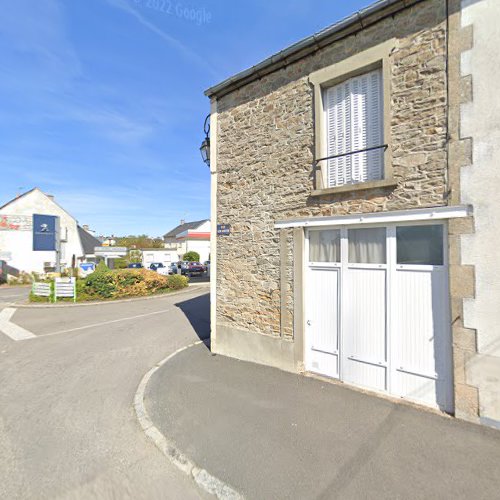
(205, 145)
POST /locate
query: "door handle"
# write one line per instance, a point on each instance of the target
(308, 322)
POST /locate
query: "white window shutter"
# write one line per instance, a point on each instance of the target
(338, 117)
(354, 122)
(375, 126)
(347, 129)
(359, 135)
(332, 117)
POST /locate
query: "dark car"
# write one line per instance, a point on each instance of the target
(135, 265)
(194, 269)
(172, 268)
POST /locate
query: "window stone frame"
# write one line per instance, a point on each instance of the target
(376, 57)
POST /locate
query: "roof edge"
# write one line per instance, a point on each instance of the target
(346, 26)
(21, 196)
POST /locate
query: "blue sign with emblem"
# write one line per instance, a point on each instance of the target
(45, 232)
(87, 266)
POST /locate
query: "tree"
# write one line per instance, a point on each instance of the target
(191, 256)
(139, 241)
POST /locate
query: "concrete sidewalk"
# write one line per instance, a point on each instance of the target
(271, 434)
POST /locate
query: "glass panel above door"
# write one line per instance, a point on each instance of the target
(367, 246)
(420, 245)
(324, 246)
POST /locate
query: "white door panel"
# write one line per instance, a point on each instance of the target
(419, 332)
(364, 328)
(322, 321)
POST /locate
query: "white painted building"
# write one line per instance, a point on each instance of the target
(153, 255)
(190, 237)
(16, 235)
(480, 181)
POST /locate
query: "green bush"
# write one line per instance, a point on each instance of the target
(176, 281)
(101, 268)
(120, 263)
(100, 284)
(37, 298)
(127, 283)
(191, 256)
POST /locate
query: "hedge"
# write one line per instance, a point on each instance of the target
(127, 283)
(108, 285)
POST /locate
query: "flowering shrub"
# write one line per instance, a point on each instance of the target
(127, 283)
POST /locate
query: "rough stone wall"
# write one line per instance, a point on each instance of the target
(265, 153)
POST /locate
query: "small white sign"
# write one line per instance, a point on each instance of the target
(65, 287)
(41, 289)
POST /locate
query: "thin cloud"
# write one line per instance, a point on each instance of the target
(172, 41)
(116, 126)
(38, 28)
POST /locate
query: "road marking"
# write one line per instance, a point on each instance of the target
(102, 323)
(10, 329)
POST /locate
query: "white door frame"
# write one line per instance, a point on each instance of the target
(391, 267)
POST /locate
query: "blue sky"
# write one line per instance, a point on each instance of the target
(102, 105)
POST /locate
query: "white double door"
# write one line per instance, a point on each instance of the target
(377, 310)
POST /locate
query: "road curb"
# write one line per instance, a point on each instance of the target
(203, 478)
(109, 302)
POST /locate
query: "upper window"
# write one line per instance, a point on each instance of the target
(354, 122)
(367, 245)
(421, 245)
(324, 245)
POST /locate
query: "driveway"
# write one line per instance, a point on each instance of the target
(67, 425)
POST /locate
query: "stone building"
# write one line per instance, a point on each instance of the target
(356, 171)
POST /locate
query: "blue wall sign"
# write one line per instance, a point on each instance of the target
(223, 229)
(87, 266)
(45, 232)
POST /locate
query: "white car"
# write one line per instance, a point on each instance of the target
(159, 268)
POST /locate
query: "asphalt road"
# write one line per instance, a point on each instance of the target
(67, 425)
(9, 295)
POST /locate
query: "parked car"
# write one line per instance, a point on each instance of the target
(159, 267)
(135, 265)
(206, 265)
(173, 268)
(194, 269)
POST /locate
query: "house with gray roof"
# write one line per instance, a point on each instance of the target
(189, 236)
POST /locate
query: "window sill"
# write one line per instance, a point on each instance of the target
(362, 186)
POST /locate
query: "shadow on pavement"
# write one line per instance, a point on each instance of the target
(197, 311)
(200, 279)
